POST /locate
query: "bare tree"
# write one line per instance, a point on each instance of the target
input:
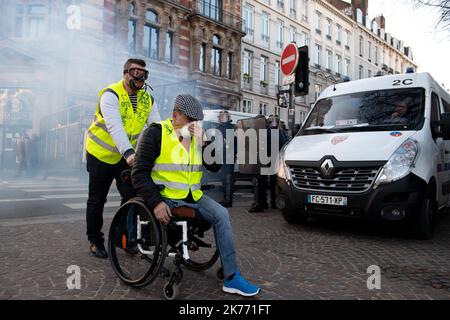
(443, 7)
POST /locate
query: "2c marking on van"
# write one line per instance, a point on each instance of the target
(406, 82)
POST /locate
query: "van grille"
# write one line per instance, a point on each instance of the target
(344, 179)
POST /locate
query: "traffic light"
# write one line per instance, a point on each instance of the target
(302, 72)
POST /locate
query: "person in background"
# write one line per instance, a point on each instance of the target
(227, 168)
(260, 181)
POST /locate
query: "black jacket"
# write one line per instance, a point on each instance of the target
(148, 151)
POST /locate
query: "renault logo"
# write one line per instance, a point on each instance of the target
(327, 168)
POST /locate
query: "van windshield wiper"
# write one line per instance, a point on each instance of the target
(322, 129)
(368, 127)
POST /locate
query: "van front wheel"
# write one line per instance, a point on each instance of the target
(294, 216)
(424, 224)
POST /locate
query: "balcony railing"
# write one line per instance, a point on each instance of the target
(207, 9)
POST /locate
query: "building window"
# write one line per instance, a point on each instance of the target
(169, 47)
(376, 55)
(328, 61)
(31, 20)
(216, 57)
(338, 63)
(347, 67)
(263, 70)
(338, 34)
(361, 46)
(304, 41)
(280, 38)
(317, 55)
(370, 50)
(293, 10)
(277, 111)
(329, 28)
(293, 33)
(151, 16)
(202, 62)
(318, 21)
(277, 73)
(248, 17)
(247, 106)
(132, 35)
(369, 73)
(247, 72)
(347, 38)
(305, 10)
(151, 35)
(263, 109)
(211, 9)
(317, 91)
(361, 72)
(280, 4)
(132, 9)
(265, 28)
(230, 65)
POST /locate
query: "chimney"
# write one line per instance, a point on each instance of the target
(360, 4)
(381, 22)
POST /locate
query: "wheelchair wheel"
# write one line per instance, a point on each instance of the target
(203, 253)
(132, 266)
(171, 291)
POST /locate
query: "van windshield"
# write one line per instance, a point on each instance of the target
(380, 110)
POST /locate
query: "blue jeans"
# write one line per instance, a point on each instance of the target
(219, 219)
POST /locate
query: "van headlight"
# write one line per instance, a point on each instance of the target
(283, 169)
(399, 164)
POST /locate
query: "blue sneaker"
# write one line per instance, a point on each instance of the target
(240, 286)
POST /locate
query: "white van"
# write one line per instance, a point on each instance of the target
(375, 149)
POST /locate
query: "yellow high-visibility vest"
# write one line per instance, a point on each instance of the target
(99, 142)
(178, 170)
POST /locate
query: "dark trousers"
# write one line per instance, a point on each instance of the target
(260, 184)
(273, 186)
(228, 175)
(260, 195)
(101, 175)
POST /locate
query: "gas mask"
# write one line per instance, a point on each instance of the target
(138, 75)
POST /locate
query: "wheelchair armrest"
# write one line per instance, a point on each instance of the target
(183, 212)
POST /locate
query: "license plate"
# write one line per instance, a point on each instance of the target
(328, 200)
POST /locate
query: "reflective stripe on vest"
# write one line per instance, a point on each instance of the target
(103, 144)
(99, 142)
(178, 170)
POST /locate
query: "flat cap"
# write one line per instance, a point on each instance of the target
(189, 106)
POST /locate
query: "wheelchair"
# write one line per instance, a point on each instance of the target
(138, 245)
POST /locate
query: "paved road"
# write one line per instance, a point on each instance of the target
(319, 260)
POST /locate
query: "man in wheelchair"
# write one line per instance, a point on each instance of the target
(167, 174)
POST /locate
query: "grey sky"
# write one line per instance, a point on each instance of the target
(417, 27)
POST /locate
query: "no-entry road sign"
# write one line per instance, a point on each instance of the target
(289, 59)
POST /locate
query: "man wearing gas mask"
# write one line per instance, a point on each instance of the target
(123, 110)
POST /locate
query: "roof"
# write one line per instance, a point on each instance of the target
(413, 80)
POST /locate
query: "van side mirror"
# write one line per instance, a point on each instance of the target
(445, 125)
